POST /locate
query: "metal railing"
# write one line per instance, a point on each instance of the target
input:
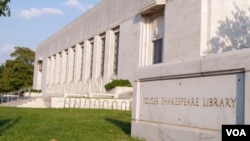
(13, 96)
(96, 103)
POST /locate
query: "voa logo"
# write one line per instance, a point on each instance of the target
(236, 132)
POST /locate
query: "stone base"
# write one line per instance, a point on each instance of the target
(164, 132)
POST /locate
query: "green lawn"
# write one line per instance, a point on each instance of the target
(20, 124)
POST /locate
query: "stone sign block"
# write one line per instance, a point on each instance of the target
(204, 102)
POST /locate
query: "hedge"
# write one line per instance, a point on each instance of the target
(116, 83)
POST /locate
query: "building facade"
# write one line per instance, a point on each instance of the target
(116, 37)
(144, 41)
(101, 45)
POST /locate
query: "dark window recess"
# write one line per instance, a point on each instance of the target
(116, 52)
(103, 57)
(92, 58)
(157, 51)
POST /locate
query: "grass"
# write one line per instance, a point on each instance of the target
(20, 124)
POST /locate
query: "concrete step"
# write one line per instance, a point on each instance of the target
(36, 103)
(15, 103)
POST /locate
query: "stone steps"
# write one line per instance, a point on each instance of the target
(36, 103)
(15, 103)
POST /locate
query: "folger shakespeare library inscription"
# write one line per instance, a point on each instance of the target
(191, 102)
(205, 102)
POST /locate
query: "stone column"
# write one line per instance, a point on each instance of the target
(70, 65)
(52, 70)
(64, 66)
(58, 68)
(110, 55)
(48, 71)
(90, 64)
(96, 65)
(85, 66)
(78, 62)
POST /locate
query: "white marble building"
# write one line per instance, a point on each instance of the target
(157, 43)
(102, 44)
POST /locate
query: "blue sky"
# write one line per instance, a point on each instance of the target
(32, 21)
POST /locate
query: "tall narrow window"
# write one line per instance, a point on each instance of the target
(39, 73)
(116, 50)
(73, 62)
(60, 67)
(91, 57)
(67, 64)
(102, 55)
(40, 65)
(48, 71)
(54, 69)
(81, 65)
(157, 51)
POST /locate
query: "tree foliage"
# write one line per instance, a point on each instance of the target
(23, 54)
(18, 73)
(1, 70)
(4, 8)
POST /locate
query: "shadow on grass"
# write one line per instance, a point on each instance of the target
(5, 124)
(124, 126)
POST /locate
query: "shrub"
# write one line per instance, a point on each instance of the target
(35, 91)
(118, 82)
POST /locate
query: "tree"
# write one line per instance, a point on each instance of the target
(24, 55)
(1, 70)
(1, 76)
(18, 73)
(4, 8)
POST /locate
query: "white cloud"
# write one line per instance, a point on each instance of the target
(78, 5)
(7, 48)
(5, 52)
(35, 12)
